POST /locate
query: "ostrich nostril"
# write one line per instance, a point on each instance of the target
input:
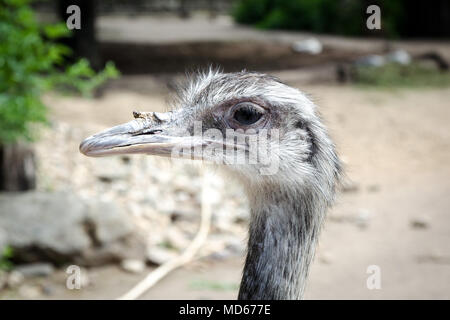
(147, 131)
(153, 131)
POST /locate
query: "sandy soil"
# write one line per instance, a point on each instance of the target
(395, 214)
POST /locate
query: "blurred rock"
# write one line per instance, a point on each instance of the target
(2, 239)
(121, 187)
(125, 159)
(420, 223)
(47, 289)
(236, 246)
(35, 269)
(399, 56)
(37, 223)
(60, 227)
(362, 218)
(184, 215)
(131, 247)
(434, 258)
(176, 238)
(108, 221)
(311, 46)
(166, 205)
(241, 215)
(373, 188)
(225, 245)
(133, 266)
(350, 186)
(325, 257)
(220, 255)
(182, 196)
(110, 169)
(373, 60)
(15, 279)
(30, 291)
(3, 279)
(159, 255)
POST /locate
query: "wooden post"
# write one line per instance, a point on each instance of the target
(17, 167)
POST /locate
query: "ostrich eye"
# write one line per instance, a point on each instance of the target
(247, 113)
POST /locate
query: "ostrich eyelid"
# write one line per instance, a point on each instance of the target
(233, 123)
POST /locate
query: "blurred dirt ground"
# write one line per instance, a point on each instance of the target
(394, 212)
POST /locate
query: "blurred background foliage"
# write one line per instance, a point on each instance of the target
(399, 17)
(393, 75)
(5, 256)
(32, 61)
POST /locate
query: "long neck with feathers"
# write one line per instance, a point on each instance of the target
(283, 231)
(286, 219)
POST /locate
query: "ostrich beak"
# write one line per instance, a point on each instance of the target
(149, 133)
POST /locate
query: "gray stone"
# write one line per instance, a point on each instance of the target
(133, 266)
(362, 218)
(184, 215)
(349, 186)
(60, 228)
(3, 279)
(43, 220)
(166, 205)
(47, 289)
(236, 247)
(158, 255)
(35, 269)
(2, 239)
(176, 238)
(110, 223)
(399, 56)
(311, 46)
(371, 61)
(220, 255)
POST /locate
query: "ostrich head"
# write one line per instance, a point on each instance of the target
(269, 136)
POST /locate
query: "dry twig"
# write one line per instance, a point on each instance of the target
(188, 254)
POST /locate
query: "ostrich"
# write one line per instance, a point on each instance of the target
(288, 205)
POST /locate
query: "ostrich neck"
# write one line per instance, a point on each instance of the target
(282, 238)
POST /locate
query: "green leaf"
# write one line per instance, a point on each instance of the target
(56, 31)
(32, 62)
